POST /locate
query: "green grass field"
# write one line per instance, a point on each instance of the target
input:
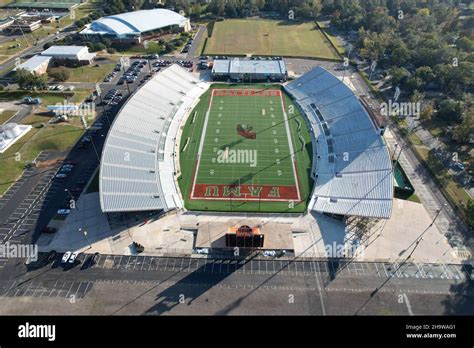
(268, 37)
(245, 144)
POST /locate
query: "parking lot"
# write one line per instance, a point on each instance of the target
(61, 289)
(286, 267)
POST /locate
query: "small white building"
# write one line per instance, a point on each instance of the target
(10, 133)
(75, 54)
(37, 64)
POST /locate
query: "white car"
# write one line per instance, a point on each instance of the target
(66, 257)
(70, 88)
(66, 169)
(61, 176)
(64, 211)
(73, 257)
(202, 251)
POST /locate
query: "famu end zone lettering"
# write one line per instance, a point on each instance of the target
(245, 192)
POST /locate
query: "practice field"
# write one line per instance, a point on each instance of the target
(241, 154)
(268, 37)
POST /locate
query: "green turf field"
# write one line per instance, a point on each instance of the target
(268, 37)
(244, 153)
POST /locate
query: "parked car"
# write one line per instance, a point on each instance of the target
(61, 176)
(66, 257)
(94, 259)
(73, 257)
(63, 211)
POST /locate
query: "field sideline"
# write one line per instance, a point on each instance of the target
(268, 37)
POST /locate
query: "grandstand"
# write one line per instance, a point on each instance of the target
(137, 171)
(351, 167)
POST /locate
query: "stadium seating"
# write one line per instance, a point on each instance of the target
(351, 168)
(137, 170)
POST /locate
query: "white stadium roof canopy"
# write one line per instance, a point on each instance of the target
(352, 169)
(137, 170)
(135, 22)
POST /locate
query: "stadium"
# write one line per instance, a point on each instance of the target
(133, 27)
(182, 144)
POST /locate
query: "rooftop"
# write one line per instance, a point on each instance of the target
(135, 22)
(63, 50)
(248, 66)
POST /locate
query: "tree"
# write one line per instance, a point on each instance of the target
(29, 80)
(464, 132)
(450, 110)
(59, 74)
(399, 75)
(427, 112)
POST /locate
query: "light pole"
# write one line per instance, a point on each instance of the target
(85, 236)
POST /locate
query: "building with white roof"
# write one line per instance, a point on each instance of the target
(136, 25)
(10, 133)
(75, 54)
(249, 69)
(37, 64)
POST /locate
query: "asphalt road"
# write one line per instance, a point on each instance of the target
(226, 287)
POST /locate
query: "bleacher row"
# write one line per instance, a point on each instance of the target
(137, 167)
(351, 168)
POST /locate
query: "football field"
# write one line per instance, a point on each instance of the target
(268, 38)
(245, 149)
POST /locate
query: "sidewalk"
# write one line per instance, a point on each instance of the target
(422, 183)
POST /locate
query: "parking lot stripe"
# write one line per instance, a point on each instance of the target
(174, 263)
(67, 293)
